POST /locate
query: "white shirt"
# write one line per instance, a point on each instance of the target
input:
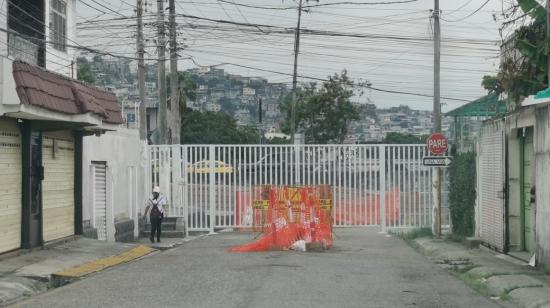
(160, 202)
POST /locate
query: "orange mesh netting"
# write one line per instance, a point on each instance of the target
(290, 214)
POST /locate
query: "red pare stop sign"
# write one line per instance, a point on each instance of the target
(437, 144)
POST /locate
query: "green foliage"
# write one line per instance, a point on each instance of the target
(491, 84)
(214, 128)
(399, 138)
(462, 193)
(413, 234)
(84, 70)
(520, 76)
(323, 114)
(187, 89)
(187, 86)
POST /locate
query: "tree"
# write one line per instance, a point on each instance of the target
(523, 69)
(84, 70)
(400, 138)
(323, 113)
(214, 128)
(187, 88)
(228, 106)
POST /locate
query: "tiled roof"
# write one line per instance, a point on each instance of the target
(42, 88)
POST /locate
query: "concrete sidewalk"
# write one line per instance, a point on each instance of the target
(26, 273)
(490, 273)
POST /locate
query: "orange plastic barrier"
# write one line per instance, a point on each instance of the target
(291, 214)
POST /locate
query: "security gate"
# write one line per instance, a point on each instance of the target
(491, 184)
(214, 186)
(99, 195)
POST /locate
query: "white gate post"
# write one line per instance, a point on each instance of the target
(183, 188)
(297, 149)
(382, 159)
(211, 201)
(175, 169)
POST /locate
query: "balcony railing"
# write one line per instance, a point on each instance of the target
(22, 49)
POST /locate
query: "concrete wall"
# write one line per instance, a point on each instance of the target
(514, 191)
(120, 150)
(56, 61)
(542, 178)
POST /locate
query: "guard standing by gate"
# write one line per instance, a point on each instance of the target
(155, 207)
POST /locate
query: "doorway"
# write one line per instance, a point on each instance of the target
(527, 186)
(36, 177)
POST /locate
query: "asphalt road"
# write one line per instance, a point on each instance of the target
(365, 269)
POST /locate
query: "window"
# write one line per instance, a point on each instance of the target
(58, 24)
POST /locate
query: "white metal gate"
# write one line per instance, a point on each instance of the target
(99, 193)
(384, 185)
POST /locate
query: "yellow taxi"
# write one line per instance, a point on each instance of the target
(203, 166)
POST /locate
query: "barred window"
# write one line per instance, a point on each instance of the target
(58, 24)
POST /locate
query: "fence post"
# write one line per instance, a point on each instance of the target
(296, 165)
(211, 201)
(183, 189)
(382, 156)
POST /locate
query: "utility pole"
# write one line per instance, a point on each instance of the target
(437, 113)
(294, 75)
(141, 74)
(161, 46)
(175, 112)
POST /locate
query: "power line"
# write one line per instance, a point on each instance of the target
(317, 5)
(105, 53)
(469, 15)
(105, 7)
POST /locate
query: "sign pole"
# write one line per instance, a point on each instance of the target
(437, 145)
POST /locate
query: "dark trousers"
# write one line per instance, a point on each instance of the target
(155, 227)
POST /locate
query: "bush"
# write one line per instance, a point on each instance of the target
(462, 193)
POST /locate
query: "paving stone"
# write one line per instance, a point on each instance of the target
(498, 285)
(531, 297)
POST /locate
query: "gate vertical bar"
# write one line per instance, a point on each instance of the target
(211, 197)
(382, 149)
(371, 184)
(410, 174)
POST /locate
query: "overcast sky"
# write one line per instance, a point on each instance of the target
(396, 55)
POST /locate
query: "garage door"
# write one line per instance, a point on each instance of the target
(491, 184)
(99, 172)
(58, 185)
(10, 185)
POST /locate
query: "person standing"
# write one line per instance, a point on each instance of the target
(155, 207)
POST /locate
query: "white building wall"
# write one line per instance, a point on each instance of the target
(121, 152)
(56, 60)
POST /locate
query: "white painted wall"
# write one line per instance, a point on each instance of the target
(56, 61)
(121, 151)
(542, 174)
(60, 61)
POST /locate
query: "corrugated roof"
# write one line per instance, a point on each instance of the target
(39, 87)
(487, 106)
